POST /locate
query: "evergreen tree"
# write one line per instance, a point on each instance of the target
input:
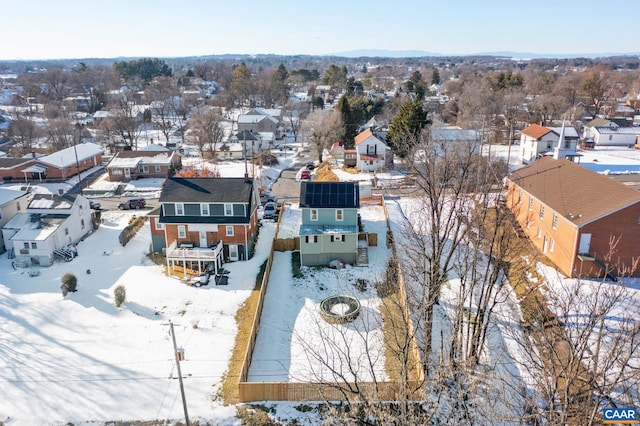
(406, 126)
(435, 76)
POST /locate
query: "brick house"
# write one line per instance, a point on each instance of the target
(329, 228)
(574, 215)
(207, 220)
(128, 165)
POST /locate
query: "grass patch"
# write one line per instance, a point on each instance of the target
(244, 320)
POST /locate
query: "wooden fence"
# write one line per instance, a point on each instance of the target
(286, 244)
(289, 391)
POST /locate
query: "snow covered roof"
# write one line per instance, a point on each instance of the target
(154, 147)
(49, 202)
(69, 156)
(454, 134)
(33, 227)
(569, 132)
(133, 158)
(255, 118)
(7, 195)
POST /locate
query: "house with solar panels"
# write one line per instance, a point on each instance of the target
(329, 228)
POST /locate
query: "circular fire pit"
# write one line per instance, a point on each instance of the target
(340, 309)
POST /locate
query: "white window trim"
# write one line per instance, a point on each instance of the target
(311, 214)
(226, 213)
(552, 244)
(159, 226)
(204, 209)
(182, 231)
(227, 229)
(181, 213)
(158, 168)
(341, 214)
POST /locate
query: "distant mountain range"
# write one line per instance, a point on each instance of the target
(381, 53)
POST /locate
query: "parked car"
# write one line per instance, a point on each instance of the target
(95, 205)
(270, 210)
(133, 203)
(311, 165)
(305, 175)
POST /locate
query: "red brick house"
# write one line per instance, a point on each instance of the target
(584, 222)
(206, 220)
(60, 165)
(128, 165)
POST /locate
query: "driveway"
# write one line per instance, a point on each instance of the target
(287, 187)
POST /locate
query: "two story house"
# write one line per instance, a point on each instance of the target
(207, 220)
(329, 228)
(536, 141)
(587, 224)
(50, 225)
(12, 202)
(127, 165)
(372, 153)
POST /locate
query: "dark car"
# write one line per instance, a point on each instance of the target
(133, 203)
(95, 205)
(311, 165)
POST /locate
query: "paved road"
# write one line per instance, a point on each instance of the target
(286, 187)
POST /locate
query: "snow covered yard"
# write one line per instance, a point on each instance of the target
(294, 343)
(80, 358)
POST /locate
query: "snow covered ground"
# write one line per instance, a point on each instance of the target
(80, 358)
(294, 342)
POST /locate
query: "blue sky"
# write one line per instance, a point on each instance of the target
(45, 29)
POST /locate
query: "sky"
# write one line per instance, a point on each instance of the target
(70, 29)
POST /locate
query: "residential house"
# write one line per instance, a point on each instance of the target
(608, 133)
(256, 122)
(50, 226)
(128, 165)
(445, 137)
(350, 157)
(372, 152)
(208, 219)
(577, 217)
(252, 142)
(329, 229)
(337, 151)
(12, 202)
(537, 141)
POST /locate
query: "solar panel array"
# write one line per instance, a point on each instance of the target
(329, 194)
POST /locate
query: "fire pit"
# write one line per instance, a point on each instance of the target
(340, 309)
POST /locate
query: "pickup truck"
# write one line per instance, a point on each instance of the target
(133, 203)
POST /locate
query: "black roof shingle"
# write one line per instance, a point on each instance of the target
(329, 195)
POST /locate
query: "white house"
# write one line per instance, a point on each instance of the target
(537, 141)
(12, 202)
(607, 133)
(444, 137)
(372, 153)
(52, 225)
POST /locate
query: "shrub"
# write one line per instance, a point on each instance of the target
(70, 281)
(119, 295)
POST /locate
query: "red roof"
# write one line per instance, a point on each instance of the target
(363, 136)
(536, 131)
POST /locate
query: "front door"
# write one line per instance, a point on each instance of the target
(233, 252)
(585, 243)
(203, 238)
(127, 173)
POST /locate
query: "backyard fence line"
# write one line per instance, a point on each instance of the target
(292, 391)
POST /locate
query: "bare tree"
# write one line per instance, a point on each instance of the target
(207, 131)
(323, 128)
(160, 94)
(125, 119)
(24, 132)
(60, 133)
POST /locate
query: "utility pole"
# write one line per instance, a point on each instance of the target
(175, 351)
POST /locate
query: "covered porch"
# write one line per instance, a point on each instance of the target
(193, 261)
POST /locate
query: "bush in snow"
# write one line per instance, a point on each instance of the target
(69, 283)
(119, 295)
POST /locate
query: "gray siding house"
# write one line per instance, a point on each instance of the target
(329, 229)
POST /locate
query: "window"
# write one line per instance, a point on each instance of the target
(311, 239)
(204, 209)
(554, 224)
(552, 244)
(549, 145)
(116, 172)
(179, 209)
(143, 169)
(541, 212)
(66, 231)
(314, 214)
(34, 246)
(339, 214)
(567, 144)
(159, 226)
(539, 233)
(18, 205)
(610, 137)
(530, 203)
(81, 210)
(228, 209)
(182, 231)
(528, 224)
(158, 169)
(520, 196)
(26, 246)
(82, 223)
(229, 231)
